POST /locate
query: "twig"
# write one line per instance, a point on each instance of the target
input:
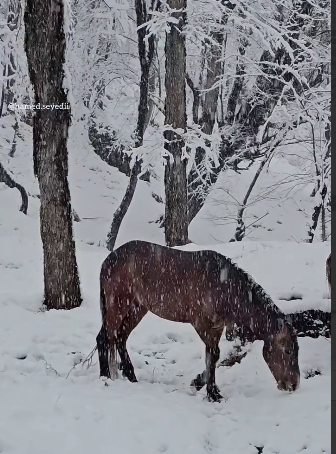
(88, 359)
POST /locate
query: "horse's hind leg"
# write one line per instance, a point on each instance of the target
(103, 352)
(212, 356)
(131, 321)
(211, 338)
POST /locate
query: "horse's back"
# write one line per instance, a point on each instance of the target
(171, 283)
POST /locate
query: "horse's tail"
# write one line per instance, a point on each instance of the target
(106, 272)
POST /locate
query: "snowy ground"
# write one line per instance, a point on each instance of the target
(49, 407)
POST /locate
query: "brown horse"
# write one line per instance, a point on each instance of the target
(328, 272)
(202, 288)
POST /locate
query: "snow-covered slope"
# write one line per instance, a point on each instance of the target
(50, 404)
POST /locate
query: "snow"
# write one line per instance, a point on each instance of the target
(51, 404)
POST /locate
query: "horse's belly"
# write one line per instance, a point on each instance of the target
(174, 311)
(181, 316)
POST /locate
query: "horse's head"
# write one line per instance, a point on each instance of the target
(281, 352)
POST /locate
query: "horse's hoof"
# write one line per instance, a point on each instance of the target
(129, 375)
(214, 395)
(105, 375)
(196, 385)
(133, 379)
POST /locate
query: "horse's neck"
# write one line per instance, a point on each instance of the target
(260, 320)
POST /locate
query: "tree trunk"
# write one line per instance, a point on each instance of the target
(240, 230)
(238, 85)
(316, 215)
(328, 273)
(213, 73)
(8, 180)
(14, 142)
(198, 188)
(176, 220)
(45, 48)
(146, 58)
(9, 70)
(123, 207)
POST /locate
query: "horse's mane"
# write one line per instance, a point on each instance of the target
(260, 295)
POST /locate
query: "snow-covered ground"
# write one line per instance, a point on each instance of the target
(50, 404)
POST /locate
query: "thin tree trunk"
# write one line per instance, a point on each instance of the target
(8, 180)
(240, 230)
(146, 58)
(316, 215)
(14, 143)
(14, 12)
(45, 48)
(176, 217)
(123, 207)
(328, 273)
(323, 224)
(210, 104)
(151, 91)
(237, 88)
(196, 198)
(196, 98)
(2, 93)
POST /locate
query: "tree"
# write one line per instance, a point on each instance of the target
(176, 217)
(8, 180)
(146, 55)
(45, 45)
(12, 15)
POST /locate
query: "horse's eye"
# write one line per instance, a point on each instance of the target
(288, 351)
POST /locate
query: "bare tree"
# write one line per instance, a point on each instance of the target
(45, 45)
(320, 191)
(8, 180)
(9, 58)
(176, 216)
(146, 55)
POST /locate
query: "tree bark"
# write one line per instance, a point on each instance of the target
(45, 48)
(9, 70)
(8, 180)
(316, 215)
(238, 85)
(328, 273)
(176, 217)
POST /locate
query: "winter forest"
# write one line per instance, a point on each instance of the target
(165, 209)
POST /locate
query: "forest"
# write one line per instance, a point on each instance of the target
(167, 164)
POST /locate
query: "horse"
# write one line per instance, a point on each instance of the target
(328, 272)
(202, 288)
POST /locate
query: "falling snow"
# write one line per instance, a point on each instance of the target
(50, 404)
(223, 275)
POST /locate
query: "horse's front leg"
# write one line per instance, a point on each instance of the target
(211, 338)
